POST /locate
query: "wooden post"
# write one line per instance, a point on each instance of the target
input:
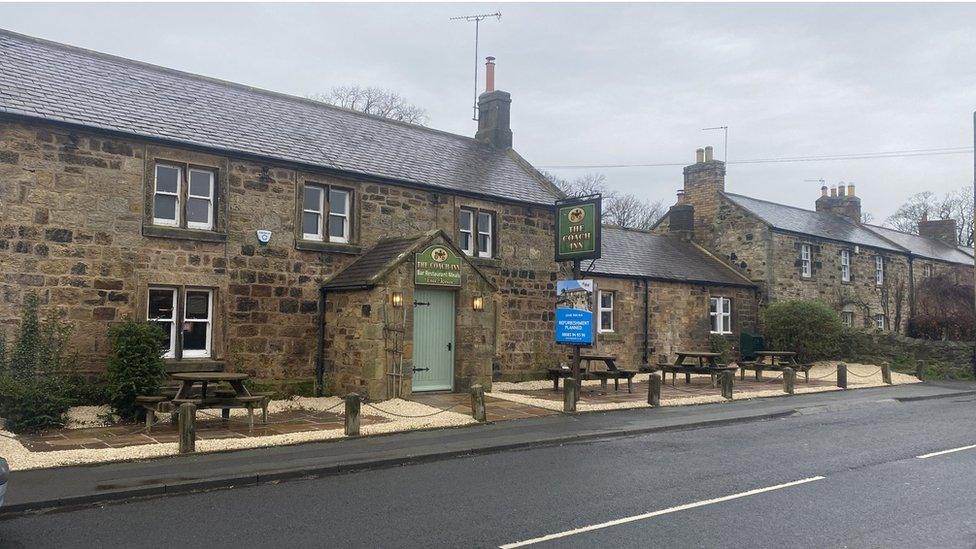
(188, 427)
(728, 378)
(654, 390)
(353, 404)
(886, 373)
(478, 403)
(789, 381)
(570, 395)
(842, 375)
(920, 369)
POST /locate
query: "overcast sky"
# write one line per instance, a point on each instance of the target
(610, 83)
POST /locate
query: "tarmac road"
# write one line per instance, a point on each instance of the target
(830, 476)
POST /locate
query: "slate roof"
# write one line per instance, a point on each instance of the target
(640, 254)
(924, 247)
(824, 225)
(370, 268)
(61, 83)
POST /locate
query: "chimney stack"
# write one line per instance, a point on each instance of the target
(681, 221)
(841, 201)
(494, 112)
(939, 229)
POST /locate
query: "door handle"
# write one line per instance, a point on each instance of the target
(421, 369)
(449, 346)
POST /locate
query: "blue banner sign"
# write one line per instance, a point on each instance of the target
(574, 312)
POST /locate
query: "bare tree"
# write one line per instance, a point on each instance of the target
(374, 100)
(631, 212)
(867, 217)
(623, 210)
(956, 205)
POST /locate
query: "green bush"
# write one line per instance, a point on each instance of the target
(810, 328)
(31, 404)
(34, 392)
(719, 344)
(136, 366)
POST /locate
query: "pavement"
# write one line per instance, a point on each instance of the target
(72, 487)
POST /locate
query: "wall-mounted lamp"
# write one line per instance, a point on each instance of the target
(478, 303)
(396, 299)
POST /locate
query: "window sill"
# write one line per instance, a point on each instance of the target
(158, 231)
(333, 247)
(172, 365)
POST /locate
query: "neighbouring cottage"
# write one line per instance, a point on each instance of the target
(307, 244)
(866, 272)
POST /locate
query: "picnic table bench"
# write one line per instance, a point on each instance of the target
(707, 364)
(773, 361)
(587, 372)
(237, 396)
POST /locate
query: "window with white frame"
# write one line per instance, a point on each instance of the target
(879, 321)
(720, 313)
(476, 232)
(326, 214)
(466, 231)
(162, 312)
(197, 321)
(806, 261)
(199, 199)
(927, 270)
(605, 309)
(845, 265)
(878, 270)
(166, 196)
(184, 196)
(188, 309)
(485, 233)
(339, 203)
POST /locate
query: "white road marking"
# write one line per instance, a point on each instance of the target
(960, 449)
(652, 514)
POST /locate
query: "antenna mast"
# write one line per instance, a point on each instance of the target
(477, 22)
(726, 146)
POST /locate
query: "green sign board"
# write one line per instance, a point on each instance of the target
(578, 229)
(438, 265)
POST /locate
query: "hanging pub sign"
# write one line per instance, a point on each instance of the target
(437, 265)
(578, 228)
(574, 312)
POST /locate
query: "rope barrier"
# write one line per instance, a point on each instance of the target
(867, 375)
(439, 411)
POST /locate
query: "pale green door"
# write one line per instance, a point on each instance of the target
(433, 340)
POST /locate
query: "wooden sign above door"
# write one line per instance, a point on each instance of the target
(437, 265)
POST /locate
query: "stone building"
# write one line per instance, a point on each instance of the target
(866, 272)
(660, 293)
(304, 244)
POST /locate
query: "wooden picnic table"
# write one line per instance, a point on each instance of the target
(587, 372)
(777, 360)
(707, 364)
(189, 379)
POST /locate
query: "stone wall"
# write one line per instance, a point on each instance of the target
(942, 359)
(678, 318)
(75, 230)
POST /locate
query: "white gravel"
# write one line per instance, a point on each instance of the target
(82, 417)
(21, 458)
(855, 380)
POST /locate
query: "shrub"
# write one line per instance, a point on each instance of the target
(811, 328)
(136, 366)
(944, 310)
(34, 391)
(718, 344)
(32, 404)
